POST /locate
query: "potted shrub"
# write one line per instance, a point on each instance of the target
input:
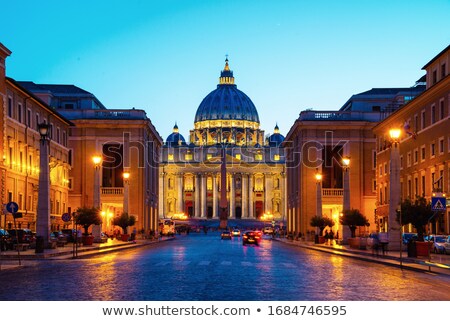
(86, 216)
(124, 221)
(418, 213)
(320, 222)
(354, 218)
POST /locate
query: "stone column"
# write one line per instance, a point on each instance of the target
(232, 197)
(267, 193)
(180, 193)
(204, 195)
(394, 199)
(215, 197)
(161, 195)
(283, 208)
(346, 233)
(250, 197)
(197, 196)
(43, 205)
(244, 195)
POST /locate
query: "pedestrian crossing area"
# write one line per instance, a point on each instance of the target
(224, 263)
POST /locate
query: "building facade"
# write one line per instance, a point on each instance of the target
(126, 178)
(317, 143)
(190, 172)
(21, 113)
(424, 145)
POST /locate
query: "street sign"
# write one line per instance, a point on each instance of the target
(17, 215)
(438, 203)
(66, 217)
(12, 207)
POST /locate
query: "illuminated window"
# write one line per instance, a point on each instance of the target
(170, 157)
(238, 156)
(209, 183)
(188, 156)
(208, 156)
(258, 157)
(189, 183)
(276, 157)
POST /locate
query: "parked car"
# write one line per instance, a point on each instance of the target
(5, 240)
(268, 230)
(25, 235)
(225, 235)
(447, 245)
(236, 232)
(438, 243)
(70, 234)
(407, 237)
(251, 237)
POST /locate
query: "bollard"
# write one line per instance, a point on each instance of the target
(39, 244)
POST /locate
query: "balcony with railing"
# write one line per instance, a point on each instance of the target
(315, 115)
(133, 114)
(112, 191)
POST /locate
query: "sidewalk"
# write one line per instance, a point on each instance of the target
(9, 259)
(439, 263)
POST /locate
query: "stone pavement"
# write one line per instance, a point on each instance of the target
(437, 263)
(10, 259)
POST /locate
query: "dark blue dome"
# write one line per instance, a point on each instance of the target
(175, 138)
(227, 102)
(276, 138)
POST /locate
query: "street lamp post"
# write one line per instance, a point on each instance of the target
(126, 192)
(43, 207)
(318, 193)
(97, 229)
(346, 197)
(318, 201)
(394, 229)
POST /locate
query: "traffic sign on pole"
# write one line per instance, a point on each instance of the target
(66, 217)
(12, 207)
(438, 203)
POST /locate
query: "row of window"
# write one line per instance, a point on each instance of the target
(31, 206)
(26, 118)
(189, 157)
(442, 72)
(416, 186)
(189, 183)
(420, 155)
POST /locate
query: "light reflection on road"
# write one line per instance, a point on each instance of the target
(203, 267)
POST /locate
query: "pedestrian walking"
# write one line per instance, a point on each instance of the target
(384, 241)
(331, 237)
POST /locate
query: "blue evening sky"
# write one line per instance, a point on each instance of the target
(166, 56)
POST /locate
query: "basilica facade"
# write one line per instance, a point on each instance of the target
(190, 172)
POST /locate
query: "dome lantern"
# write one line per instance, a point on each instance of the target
(226, 75)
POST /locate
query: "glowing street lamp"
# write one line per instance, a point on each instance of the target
(97, 229)
(318, 176)
(126, 186)
(394, 228)
(346, 196)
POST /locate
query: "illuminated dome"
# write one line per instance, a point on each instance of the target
(226, 102)
(175, 138)
(276, 138)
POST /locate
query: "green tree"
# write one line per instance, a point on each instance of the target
(86, 216)
(417, 213)
(124, 221)
(353, 218)
(321, 222)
